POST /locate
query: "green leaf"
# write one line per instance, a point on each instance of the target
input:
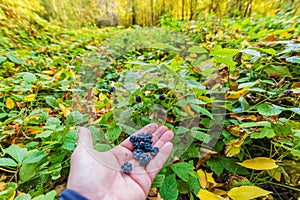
(8, 191)
(7, 162)
(247, 85)
(49, 196)
(218, 164)
(168, 190)
(158, 181)
(256, 124)
(51, 101)
(223, 52)
(34, 156)
(16, 152)
(202, 110)
(13, 59)
(70, 140)
(28, 171)
(2, 59)
(113, 132)
(183, 187)
(295, 110)
(226, 61)
(28, 77)
(281, 71)
(183, 170)
(2, 115)
(23, 197)
(199, 135)
(197, 49)
(294, 59)
(268, 51)
(265, 132)
(268, 110)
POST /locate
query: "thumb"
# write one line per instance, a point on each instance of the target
(85, 139)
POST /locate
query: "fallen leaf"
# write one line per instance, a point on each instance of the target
(202, 178)
(219, 192)
(233, 147)
(2, 186)
(12, 196)
(206, 195)
(237, 94)
(29, 97)
(235, 130)
(247, 192)
(10, 104)
(274, 173)
(64, 109)
(244, 117)
(259, 163)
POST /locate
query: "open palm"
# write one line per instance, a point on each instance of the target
(98, 175)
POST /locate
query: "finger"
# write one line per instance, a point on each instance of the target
(159, 160)
(85, 139)
(161, 136)
(158, 133)
(150, 128)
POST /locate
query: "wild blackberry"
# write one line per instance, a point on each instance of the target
(288, 92)
(146, 146)
(137, 153)
(137, 145)
(154, 151)
(138, 99)
(148, 136)
(112, 89)
(132, 138)
(162, 97)
(126, 167)
(144, 159)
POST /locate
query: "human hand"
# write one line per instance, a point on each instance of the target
(98, 175)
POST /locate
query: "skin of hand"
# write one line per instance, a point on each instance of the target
(98, 175)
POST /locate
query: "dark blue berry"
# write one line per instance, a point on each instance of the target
(133, 139)
(288, 92)
(137, 145)
(148, 136)
(138, 99)
(144, 159)
(137, 153)
(154, 151)
(146, 146)
(112, 89)
(126, 167)
(162, 97)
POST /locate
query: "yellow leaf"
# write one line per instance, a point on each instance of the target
(247, 192)
(219, 192)
(238, 94)
(274, 173)
(202, 178)
(206, 195)
(72, 74)
(210, 178)
(233, 147)
(286, 35)
(64, 109)
(10, 104)
(12, 196)
(259, 163)
(29, 97)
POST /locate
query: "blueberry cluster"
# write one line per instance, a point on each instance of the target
(142, 145)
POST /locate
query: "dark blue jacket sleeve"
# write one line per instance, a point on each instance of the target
(71, 195)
